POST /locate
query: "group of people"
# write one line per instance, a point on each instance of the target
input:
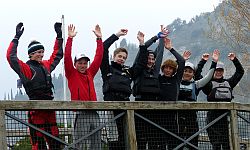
(180, 80)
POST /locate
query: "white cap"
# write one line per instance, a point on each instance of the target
(80, 56)
(191, 65)
(220, 65)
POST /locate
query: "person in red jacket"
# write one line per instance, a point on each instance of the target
(35, 75)
(81, 85)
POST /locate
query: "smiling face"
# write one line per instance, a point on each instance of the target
(151, 60)
(218, 73)
(120, 55)
(37, 55)
(168, 71)
(188, 74)
(81, 65)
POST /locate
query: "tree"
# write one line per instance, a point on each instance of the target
(231, 25)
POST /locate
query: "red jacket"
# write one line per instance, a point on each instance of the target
(28, 75)
(81, 86)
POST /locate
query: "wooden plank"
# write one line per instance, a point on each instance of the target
(68, 105)
(234, 136)
(3, 139)
(130, 130)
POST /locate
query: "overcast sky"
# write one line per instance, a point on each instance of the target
(39, 18)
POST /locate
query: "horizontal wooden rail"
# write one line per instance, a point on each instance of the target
(108, 105)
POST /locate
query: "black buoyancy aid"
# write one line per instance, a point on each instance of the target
(146, 83)
(187, 91)
(221, 91)
(119, 80)
(40, 85)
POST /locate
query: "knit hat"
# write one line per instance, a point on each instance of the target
(190, 65)
(170, 63)
(34, 46)
(80, 56)
(151, 52)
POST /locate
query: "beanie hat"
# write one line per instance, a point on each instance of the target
(151, 52)
(170, 63)
(34, 46)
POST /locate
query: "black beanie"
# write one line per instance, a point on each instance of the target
(34, 46)
(152, 52)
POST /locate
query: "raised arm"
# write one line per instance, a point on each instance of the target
(105, 67)
(94, 66)
(68, 63)
(21, 68)
(203, 81)
(162, 34)
(57, 54)
(234, 80)
(141, 61)
(179, 58)
(160, 48)
(200, 66)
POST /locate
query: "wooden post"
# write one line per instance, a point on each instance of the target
(234, 136)
(3, 139)
(130, 131)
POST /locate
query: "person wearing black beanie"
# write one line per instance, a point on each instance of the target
(35, 75)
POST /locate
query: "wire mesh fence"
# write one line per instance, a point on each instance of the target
(107, 129)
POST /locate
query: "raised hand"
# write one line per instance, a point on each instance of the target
(140, 37)
(165, 30)
(167, 43)
(205, 56)
(19, 30)
(58, 29)
(216, 55)
(121, 32)
(186, 54)
(231, 56)
(71, 31)
(97, 31)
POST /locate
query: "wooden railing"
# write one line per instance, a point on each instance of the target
(129, 107)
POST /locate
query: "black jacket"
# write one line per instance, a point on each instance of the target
(116, 75)
(147, 82)
(170, 85)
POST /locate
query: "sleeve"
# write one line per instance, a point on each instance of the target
(21, 68)
(94, 66)
(105, 67)
(198, 71)
(181, 64)
(151, 41)
(203, 81)
(138, 66)
(56, 56)
(68, 63)
(159, 54)
(234, 80)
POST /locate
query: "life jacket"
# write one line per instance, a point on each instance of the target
(187, 91)
(119, 80)
(169, 88)
(147, 83)
(40, 85)
(221, 91)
